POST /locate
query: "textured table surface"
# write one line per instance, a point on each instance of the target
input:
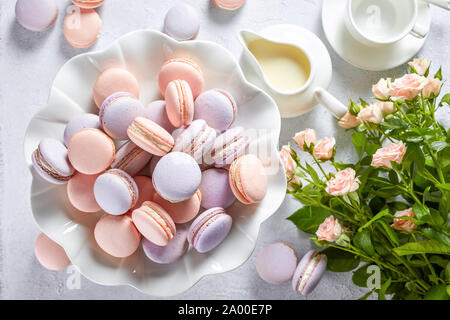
(28, 63)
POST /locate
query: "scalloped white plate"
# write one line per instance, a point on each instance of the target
(143, 52)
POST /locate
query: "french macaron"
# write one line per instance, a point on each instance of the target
(182, 22)
(146, 190)
(181, 69)
(116, 192)
(154, 223)
(209, 229)
(117, 113)
(276, 263)
(247, 179)
(130, 158)
(114, 80)
(217, 107)
(229, 4)
(196, 140)
(36, 15)
(170, 253)
(82, 27)
(179, 103)
(309, 272)
(88, 3)
(181, 212)
(152, 165)
(176, 177)
(156, 111)
(51, 162)
(80, 191)
(177, 132)
(117, 235)
(83, 121)
(228, 146)
(215, 189)
(150, 136)
(91, 151)
(50, 254)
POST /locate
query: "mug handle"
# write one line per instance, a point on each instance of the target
(419, 31)
(330, 102)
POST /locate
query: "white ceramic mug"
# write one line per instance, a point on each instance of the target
(382, 22)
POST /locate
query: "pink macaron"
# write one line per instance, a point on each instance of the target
(181, 69)
(114, 80)
(50, 254)
(91, 151)
(276, 263)
(80, 191)
(179, 103)
(247, 179)
(117, 235)
(229, 4)
(88, 3)
(183, 211)
(150, 136)
(154, 223)
(146, 190)
(130, 158)
(82, 27)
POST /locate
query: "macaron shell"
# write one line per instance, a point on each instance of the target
(146, 190)
(179, 103)
(156, 111)
(154, 130)
(276, 263)
(80, 191)
(247, 179)
(153, 162)
(117, 235)
(181, 212)
(88, 3)
(81, 29)
(213, 233)
(36, 15)
(130, 158)
(182, 22)
(171, 253)
(149, 228)
(217, 107)
(229, 4)
(228, 146)
(181, 69)
(114, 80)
(215, 189)
(91, 151)
(315, 276)
(83, 121)
(50, 254)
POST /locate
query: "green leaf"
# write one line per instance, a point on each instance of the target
(365, 296)
(438, 74)
(445, 99)
(359, 141)
(340, 260)
(437, 236)
(413, 156)
(390, 233)
(440, 261)
(426, 246)
(363, 241)
(445, 186)
(439, 145)
(371, 148)
(420, 211)
(438, 292)
(447, 272)
(360, 276)
(313, 173)
(379, 215)
(384, 287)
(308, 218)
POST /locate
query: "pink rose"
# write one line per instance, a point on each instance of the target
(386, 107)
(384, 156)
(371, 113)
(289, 165)
(420, 65)
(381, 89)
(343, 183)
(404, 224)
(324, 149)
(407, 87)
(348, 121)
(329, 230)
(306, 136)
(433, 86)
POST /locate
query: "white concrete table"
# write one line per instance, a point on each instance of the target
(29, 62)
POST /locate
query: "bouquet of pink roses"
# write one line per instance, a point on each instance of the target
(386, 215)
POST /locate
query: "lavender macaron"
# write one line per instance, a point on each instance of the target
(117, 112)
(83, 121)
(276, 263)
(229, 146)
(196, 140)
(176, 177)
(215, 189)
(116, 191)
(217, 107)
(51, 161)
(156, 111)
(209, 229)
(309, 272)
(182, 22)
(170, 253)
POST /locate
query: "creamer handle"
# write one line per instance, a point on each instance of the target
(337, 108)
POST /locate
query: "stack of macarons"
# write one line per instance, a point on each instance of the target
(277, 263)
(151, 169)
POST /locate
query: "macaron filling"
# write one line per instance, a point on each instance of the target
(199, 140)
(154, 139)
(203, 224)
(128, 183)
(235, 144)
(128, 158)
(181, 103)
(309, 270)
(160, 220)
(237, 183)
(44, 165)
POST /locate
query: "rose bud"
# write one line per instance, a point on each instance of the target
(404, 224)
(407, 87)
(384, 156)
(433, 87)
(330, 230)
(306, 136)
(343, 183)
(381, 89)
(324, 149)
(420, 66)
(371, 114)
